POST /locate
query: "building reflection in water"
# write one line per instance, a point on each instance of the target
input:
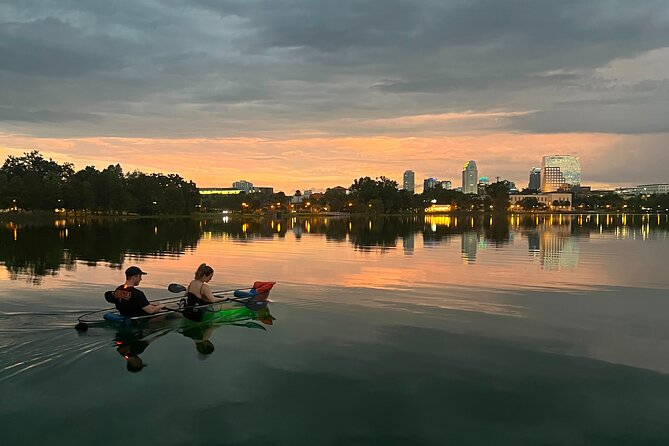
(32, 250)
(470, 244)
(408, 242)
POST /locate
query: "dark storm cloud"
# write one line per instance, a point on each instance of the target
(38, 116)
(643, 162)
(191, 66)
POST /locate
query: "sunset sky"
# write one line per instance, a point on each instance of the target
(310, 94)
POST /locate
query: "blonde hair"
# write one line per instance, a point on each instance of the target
(203, 270)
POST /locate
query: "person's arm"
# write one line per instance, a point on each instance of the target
(153, 308)
(148, 307)
(208, 296)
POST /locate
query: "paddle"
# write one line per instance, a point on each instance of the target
(178, 288)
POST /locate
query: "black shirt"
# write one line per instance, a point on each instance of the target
(130, 301)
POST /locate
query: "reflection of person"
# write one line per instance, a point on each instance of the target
(201, 334)
(199, 292)
(131, 350)
(129, 300)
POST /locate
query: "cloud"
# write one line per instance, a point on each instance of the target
(296, 70)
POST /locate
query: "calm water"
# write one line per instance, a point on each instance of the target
(548, 330)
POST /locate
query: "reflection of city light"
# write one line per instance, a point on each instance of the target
(245, 227)
(307, 226)
(438, 220)
(278, 227)
(155, 230)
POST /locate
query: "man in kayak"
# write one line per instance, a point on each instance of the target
(129, 300)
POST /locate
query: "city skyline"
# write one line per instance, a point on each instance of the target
(218, 92)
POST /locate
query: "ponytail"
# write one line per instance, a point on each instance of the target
(203, 270)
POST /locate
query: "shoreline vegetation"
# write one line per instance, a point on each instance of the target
(32, 185)
(47, 216)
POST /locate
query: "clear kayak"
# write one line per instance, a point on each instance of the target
(238, 304)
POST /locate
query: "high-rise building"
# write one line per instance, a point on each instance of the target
(243, 185)
(560, 172)
(535, 179)
(470, 176)
(429, 183)
(409, 181)
(446, 185)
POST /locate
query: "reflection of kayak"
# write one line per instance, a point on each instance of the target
(245, 301)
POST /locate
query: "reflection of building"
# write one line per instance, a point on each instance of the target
(560, 172)
(534, 243)
(408, 243)
(409, 184)
(470, 242)
(535, 179)
(470, 175)
(558, 248)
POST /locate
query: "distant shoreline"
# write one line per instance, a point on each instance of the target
(43, 216)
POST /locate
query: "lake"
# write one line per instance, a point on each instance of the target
(463, 330)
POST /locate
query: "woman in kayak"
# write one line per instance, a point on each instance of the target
(199, 292)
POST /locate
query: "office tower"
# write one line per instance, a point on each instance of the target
(409, 181)
(470, 175)
(560, 172)
(483, 183)
(535, 179)
(429, 183)
(243, 185)
(446, 185)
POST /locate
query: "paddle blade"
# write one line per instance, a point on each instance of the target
(176, 288)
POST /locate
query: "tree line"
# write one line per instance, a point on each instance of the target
(31, 182)
(365, 195)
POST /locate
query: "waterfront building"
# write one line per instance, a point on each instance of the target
(470, 175)
(218, 191)
(564, 200)
(264, 190)
(650, 189)
(429, 183)
(243, 185)
(483, 183)
(409, 183)
(560, 172)
(535, 179)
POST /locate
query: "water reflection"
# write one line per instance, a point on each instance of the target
(132, 341)
(33, 251)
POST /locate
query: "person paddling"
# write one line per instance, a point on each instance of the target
(130, 301)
